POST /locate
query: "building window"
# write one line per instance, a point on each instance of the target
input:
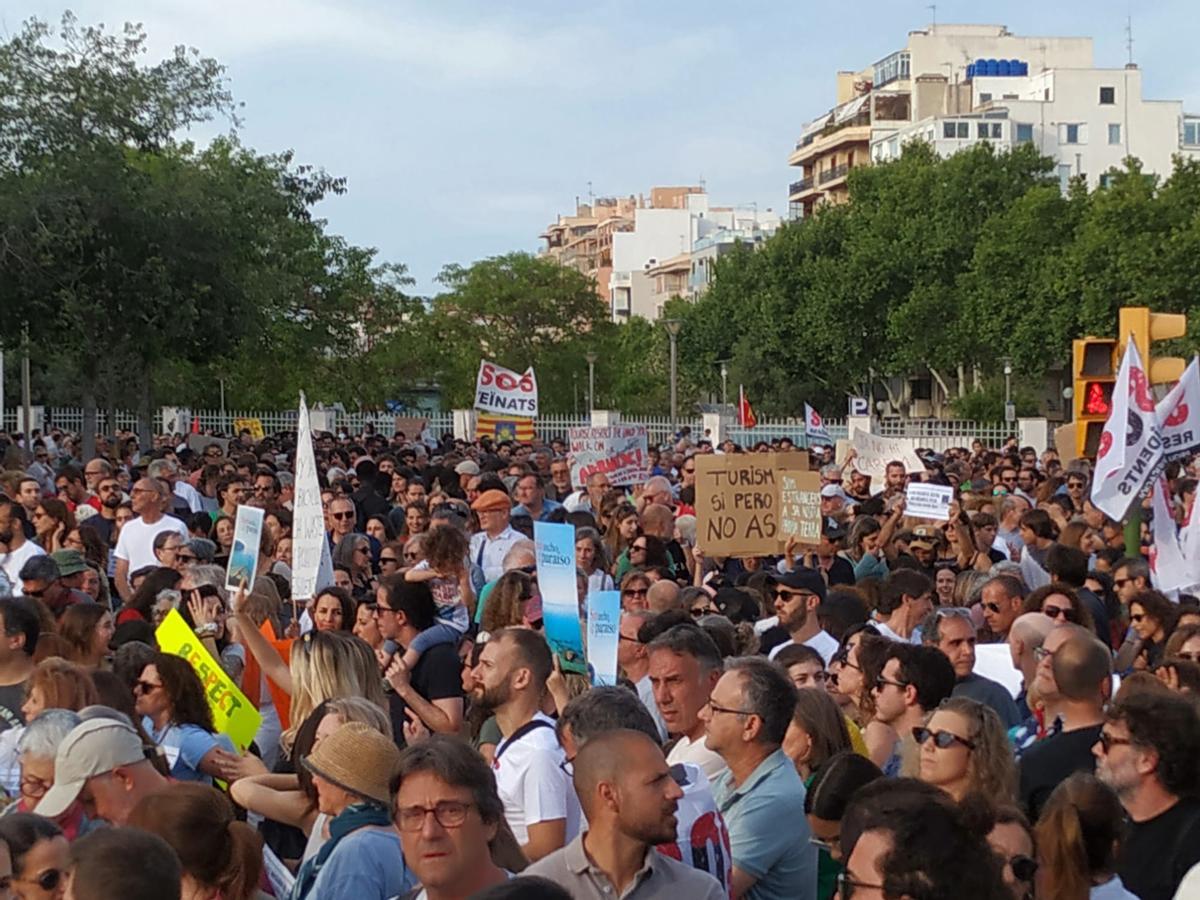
(1024, 133)
(1108, 96)
(964, 129)
(1191, 133)
(1105, 180)
(981, 130)
(1114, 133)
(984, 97)
(1064, 177)
(1070, 134)
(922, 388)
(997, 130)
(948, 129)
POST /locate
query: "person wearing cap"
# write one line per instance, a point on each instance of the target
(825, 559)
(496, 537)
(362, 860)
(43, 577)
(833, 500)
(466, 470)
(103, 764)
(797, 596)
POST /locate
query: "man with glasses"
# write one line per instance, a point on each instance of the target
(95, 470)
(1077, 489)
(432, 692)
(342, 518)
(108, 489)
(745, 721)
(135, 546)
(797, 594)
(496, 536)
(448, 812)
(630, 797)
(1130, 578)
(1147, 752)
(914, 680)
(1002, 599)
(1073, 681)
(42, 579)
(266, 491)
(951, 631)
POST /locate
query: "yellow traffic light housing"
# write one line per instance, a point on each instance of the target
(1094, 374)
(1147, 327)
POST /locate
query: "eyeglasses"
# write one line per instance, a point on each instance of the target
(185, 557)
(943, 740)
(1193, 655)
(992, 607)
(47, 881)
(447, 813)
(1023, 868)
(635, 592)
(145, 687)
(632, 640)
(1137, 617)
(390, 560)
(881, 683)
(380, 609)
(411, 554)
(362, 549)
(1060, 612)
(847, 886)
(1041, 653)
(786, 594)
(1075, 485)
(689, 471)
(726, 709)
(34, 787)
(341, 516)
(698, 611)
(1119, 583)
(641, 547)
(827, 845)
(1107, 741)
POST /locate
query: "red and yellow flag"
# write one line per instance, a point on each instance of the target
(503, 428)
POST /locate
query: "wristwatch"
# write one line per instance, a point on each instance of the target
(209, 630)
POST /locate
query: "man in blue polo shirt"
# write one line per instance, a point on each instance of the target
(745, 720)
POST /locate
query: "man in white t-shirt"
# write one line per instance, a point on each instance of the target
(539, 799)
(685, 665)
(135, 546)
(15, 548)
(798, 593)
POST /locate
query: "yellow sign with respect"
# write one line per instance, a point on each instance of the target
(233, 713)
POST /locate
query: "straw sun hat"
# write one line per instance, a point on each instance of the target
(357, 758)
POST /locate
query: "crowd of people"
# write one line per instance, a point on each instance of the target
(998, 706)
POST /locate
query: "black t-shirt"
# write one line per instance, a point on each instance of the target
(436, 676)
(1051, 760)
(102, 526)
(1157, 853)
(11, 698)
(840, 572)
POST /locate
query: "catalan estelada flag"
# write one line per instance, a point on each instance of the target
(503, 428)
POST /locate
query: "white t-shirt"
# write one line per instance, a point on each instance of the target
(136, 543)
(11, 562)
(701, 837)
(190, 496)
(710, 762)
(531, 781)
(823, 642)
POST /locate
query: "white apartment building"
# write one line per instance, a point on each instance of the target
(653, 262)
(1087, 119)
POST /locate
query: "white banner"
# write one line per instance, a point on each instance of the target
(308, 519)
(928, 501)
(1179, 414)
(873, 453)
(501, 390)
(619, 451)
(814, 428)
(1131, 448)
(1168, 569)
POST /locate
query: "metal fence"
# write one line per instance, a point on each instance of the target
(937, 434)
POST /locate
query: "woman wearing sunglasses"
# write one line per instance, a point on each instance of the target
(964, 749)
(1061, 603)
(39, 856)
(1079, 836)
(1011, 839)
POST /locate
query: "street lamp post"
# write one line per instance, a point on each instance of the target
(1008, 406)
(724, 383)
(591, 358)
(673, 327)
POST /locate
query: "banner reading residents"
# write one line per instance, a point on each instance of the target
(619, 451)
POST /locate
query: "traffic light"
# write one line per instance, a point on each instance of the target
(1147, 327)
(1094, 370)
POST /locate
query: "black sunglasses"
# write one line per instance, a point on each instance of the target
(1023, 868)
(48, 880)
(941, 739)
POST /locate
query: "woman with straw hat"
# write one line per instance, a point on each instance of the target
(362, 859)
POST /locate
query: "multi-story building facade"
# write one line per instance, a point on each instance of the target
(584, 241)
(928, 77)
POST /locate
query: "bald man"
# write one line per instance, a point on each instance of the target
(1026, 635)
(663, 595)
(135, 547)
(658, 520)
(629, 797)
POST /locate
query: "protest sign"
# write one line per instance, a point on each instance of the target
(873, 453)
(198, 443)
(243, 556)
(233, 714)
(994, 661)
(560, 594)
(308, 519)
(603, 624)
(737, 504)
(254, 426)
(928, 501)
(501, 390)
(619, 451)
(410, 426)
(799, 506)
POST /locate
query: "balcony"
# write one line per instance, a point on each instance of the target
(856, 129)
(833, 174)
(800, 187)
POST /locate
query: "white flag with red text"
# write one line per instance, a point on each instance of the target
(1179, 415)
(814, 428)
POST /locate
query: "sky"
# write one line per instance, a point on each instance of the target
(464, 128)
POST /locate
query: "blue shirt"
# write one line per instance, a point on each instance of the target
(548, 506)
(768, 833)
(367, 864)
(185, 746)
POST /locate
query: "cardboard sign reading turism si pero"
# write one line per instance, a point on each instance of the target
(740, 502)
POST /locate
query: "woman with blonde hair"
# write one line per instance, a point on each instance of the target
(1079, 836)
(506, 604)
(964, 748)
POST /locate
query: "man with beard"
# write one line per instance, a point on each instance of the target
(104, 524)
(15, 548)
(630, 797)
(539, 801)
